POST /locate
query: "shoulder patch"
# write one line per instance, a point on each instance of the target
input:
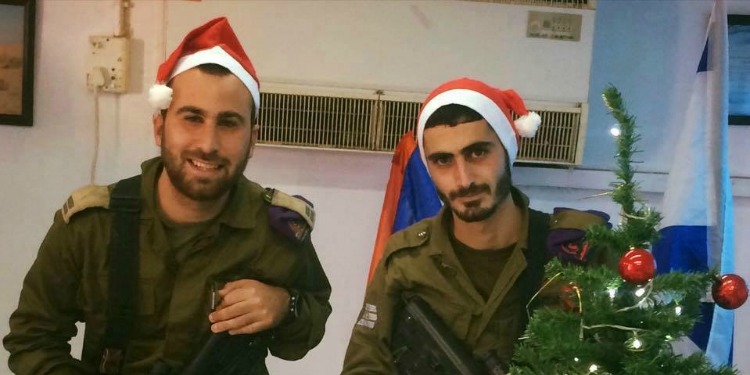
(302, 207)
(83, 198)
(292, 216)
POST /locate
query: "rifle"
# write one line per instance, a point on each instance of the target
(423, 344)
(225, 354)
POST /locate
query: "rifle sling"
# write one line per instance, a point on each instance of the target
(536, 255)
(123, 264)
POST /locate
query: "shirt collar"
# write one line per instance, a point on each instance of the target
(440, 225)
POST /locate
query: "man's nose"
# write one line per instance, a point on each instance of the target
(208, 140)
(462, 173)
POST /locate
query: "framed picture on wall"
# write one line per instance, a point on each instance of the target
(17, 22)
(739, 69)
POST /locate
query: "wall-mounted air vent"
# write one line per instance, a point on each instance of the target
(316, 121)
(335, 118)
(375, 121)
(561, 137)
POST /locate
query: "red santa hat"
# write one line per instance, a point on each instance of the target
(212, 43)
(494, 105)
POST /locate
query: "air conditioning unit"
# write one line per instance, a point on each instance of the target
(375, 120)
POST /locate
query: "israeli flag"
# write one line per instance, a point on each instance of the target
(697, 233)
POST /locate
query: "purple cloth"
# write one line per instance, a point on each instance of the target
(568, 244)
(288, 223)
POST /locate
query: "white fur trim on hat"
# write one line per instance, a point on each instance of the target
(527, 125)
(478, 102)
(159, 96)
(215, 55)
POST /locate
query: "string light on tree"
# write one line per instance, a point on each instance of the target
(635, 343)
(640, 292)
(615, 130)
(612, 293)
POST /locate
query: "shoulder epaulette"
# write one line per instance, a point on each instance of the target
(280, 199)
(291, 216)
(568, 218)
(83, 198)
(413, 236)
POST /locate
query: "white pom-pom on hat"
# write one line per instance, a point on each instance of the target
(159, 96)
(527, 125)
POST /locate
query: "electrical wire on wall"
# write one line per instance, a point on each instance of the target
(95, 158)
(108, 71)
(164, 25)
(124, 21)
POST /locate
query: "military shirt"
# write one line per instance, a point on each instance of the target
(420, 260)
(67, 283)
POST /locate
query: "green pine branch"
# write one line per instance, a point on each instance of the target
(595, 322)
(639, 222)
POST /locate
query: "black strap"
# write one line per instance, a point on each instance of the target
(536, 258)
(125, 203)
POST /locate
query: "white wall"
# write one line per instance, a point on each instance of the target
(398, 45)
(424, 43)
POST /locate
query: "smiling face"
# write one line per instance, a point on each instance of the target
(468, 165)
(205, 136)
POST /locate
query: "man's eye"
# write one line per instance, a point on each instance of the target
(229, 124)
(193, 119)
(442, 160)
(477, 153)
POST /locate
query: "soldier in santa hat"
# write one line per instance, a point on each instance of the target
(186, 260)
(477, 264)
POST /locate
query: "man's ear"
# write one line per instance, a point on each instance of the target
(253, 139)
(158, 121)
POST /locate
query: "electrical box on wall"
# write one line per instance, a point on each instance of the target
(108, 63)
(554, 25)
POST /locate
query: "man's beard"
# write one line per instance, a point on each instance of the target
(473, 212)
(199, 189)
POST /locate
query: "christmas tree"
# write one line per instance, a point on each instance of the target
(617, 317)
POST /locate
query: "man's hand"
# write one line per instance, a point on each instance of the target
(249, 306)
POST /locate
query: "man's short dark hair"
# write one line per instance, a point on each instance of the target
(452, 115)
(220, 70)
(455, 114)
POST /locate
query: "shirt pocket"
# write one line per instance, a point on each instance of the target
(456, 316)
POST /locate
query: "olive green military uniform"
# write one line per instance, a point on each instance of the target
(420, 260)
(68, 283)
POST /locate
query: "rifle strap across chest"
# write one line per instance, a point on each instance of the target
(123, 265)
(536, 258)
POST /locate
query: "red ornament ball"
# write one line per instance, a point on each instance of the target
(730, 291)
(637, 266)
(570, 297)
